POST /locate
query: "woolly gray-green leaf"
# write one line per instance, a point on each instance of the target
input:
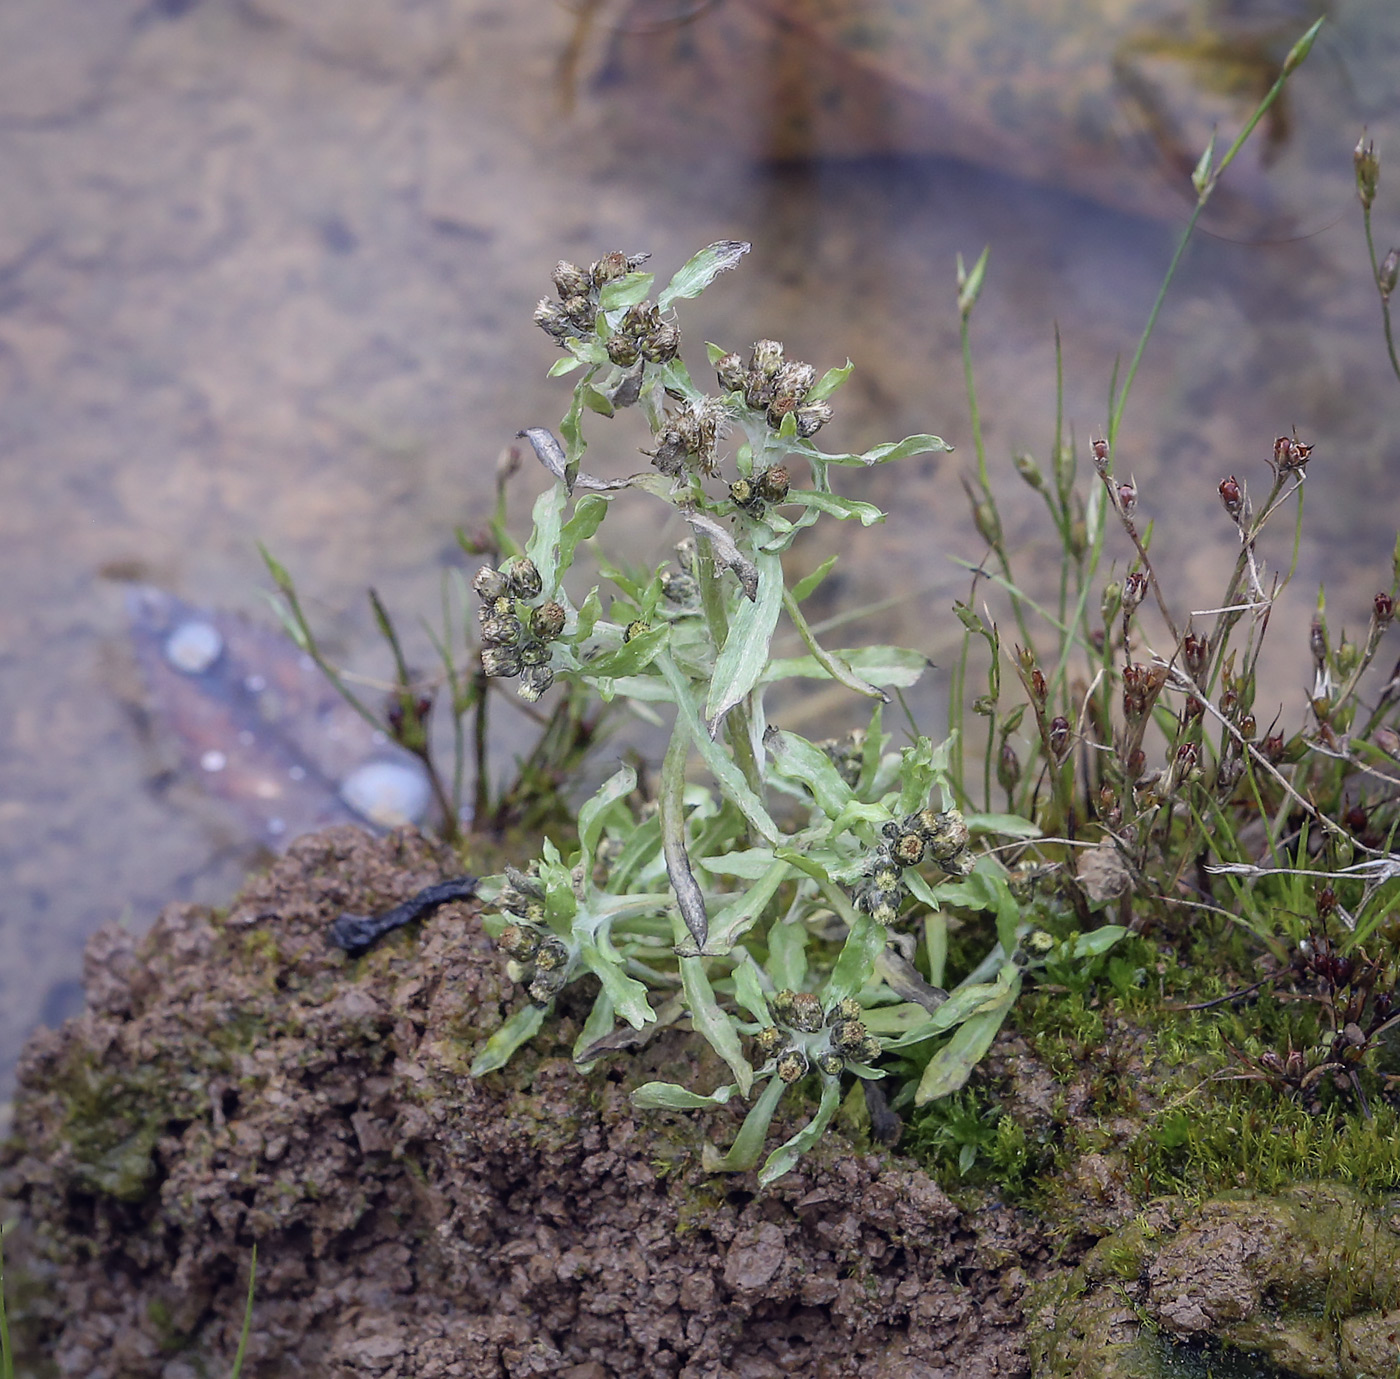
(698, 273)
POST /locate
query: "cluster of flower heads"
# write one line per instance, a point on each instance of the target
(806, 1034)
(774, 385)
(539, 960)
(688, 437)
(515, 634)
(641, 333)
(939, 837)
(767, 486)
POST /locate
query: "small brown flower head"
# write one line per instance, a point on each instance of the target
(1100, 451)
(609, 267)
(678, 587)
(948, 837)
(1383, 610)
(534, 654)
(798, 1010)
(1127, 498)
(500, 662)
(769, 1041)
(793, 1066)
(744, 495)
(1059, 737)
(1248, 727)
(1193, 652)
(488, 583)
(1134, 590)
(766, 358)
(1388, 740)
(848, 1034)
(522, 578)
(580, 312)
(846, 1009)
(571, 281)
(1192, 708)
(534, 680)
(1317, 642)
(1231, 496)
(517, 941)
(908, 849)
(500, 631)
(552, 955)
(661, 345)
(1272, 748)
(623, 350)
(1368, 170)
(811, 417)
(548, 620)
(772, 484)
(553, 319)
(730, 371)
(1039, 692)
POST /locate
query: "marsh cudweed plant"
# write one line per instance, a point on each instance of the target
(781, 895)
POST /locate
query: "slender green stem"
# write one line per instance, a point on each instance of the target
(247, 1316)
(1384, 295)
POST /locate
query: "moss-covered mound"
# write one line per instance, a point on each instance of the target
(236, 1080)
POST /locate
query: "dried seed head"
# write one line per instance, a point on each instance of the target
(579, 310)
(552, 955)
(548, 620)
(522, 578)
(1290, 453)
(793, 1066)
(1388, 740)
(570, 280)
(794, 379)
(1134, 589)
(489, 583)
(534, 654)
(741, 491)
(1127, 498)
(1248, 727)
(544, 987)
(1383, 610)
(1059, 737)
(1272, 748)
(948, 836)
(848, 1034)
(730, 371)
(553, 319)
(1100, 450)
(1368, 170)
(1231, 496)
(500, 662)
(1194, 650)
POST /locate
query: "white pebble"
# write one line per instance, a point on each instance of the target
(194, 646)
(387, 793)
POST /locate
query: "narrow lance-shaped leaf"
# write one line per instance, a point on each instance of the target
(668, 1096)
(800, 760)
(628, 995)
(880, 454)
(748, 1143)
(867, 514)
(785, 1156)
(952, 1065)
(748, 991)
(593, 813)
(597, 1027)
(689, 899)
(855, 964)
(709, 1020)
(697, 274)
(518, 1030)
(745, 652)
(740, 915)
(543, 545)
(833, 665)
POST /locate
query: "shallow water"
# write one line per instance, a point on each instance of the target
(266, 272)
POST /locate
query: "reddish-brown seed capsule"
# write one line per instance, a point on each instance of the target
(1384, 609)
(1059, 736)
(1230, 495)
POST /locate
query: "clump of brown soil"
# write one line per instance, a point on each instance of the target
(236, 1080)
